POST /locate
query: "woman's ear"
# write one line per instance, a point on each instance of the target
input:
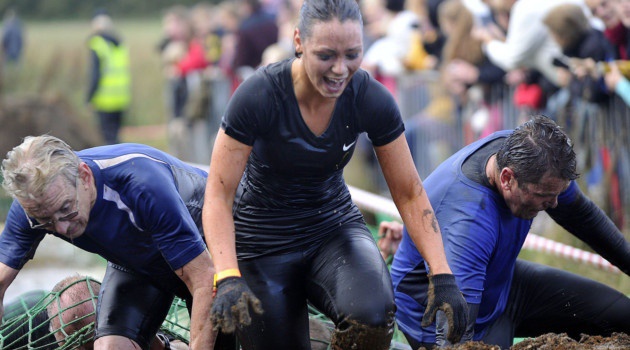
(297, 42)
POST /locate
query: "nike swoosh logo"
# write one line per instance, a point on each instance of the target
(345, 148)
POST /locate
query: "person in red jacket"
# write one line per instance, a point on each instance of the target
(184, 59)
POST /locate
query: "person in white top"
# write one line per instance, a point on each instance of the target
(528, 43)
(387, 54)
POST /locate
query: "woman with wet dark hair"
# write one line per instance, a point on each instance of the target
(280, 222)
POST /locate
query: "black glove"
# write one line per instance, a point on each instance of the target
(230, 307)
(444, 295)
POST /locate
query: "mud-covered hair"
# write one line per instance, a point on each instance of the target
(538, 147)
(34, 164)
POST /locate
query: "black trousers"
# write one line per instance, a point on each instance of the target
(344, 277)
(134, 307)
(545, 299)
(110, 123)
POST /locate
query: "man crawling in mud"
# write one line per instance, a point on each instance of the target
(486, 197)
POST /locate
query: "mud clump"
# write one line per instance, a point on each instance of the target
(554, 341)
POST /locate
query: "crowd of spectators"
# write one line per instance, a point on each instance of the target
(485, 66)
(500, 61)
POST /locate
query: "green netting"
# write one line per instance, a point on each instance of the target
(23, 304)
(177, 322)
(32, 321)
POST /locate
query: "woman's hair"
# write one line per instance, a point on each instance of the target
(538, 147)
(568, 22)
(30, 167)
(313, 11)
(459, 44)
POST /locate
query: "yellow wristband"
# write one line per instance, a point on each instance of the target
(224, 274)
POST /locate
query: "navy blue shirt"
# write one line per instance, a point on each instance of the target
(147, 214)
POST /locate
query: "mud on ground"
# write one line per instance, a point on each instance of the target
(553, 341)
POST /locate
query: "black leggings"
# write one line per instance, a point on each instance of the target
(130, 306)
(544, 299)
(134, 307)
(344, 277)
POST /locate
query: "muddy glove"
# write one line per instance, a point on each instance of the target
(441, 326)
(230, 308)
(444, 295)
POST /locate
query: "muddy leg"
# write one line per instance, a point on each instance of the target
(352, 335)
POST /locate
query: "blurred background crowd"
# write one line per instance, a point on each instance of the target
(459, 69)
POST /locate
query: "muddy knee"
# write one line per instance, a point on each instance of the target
(351, 334)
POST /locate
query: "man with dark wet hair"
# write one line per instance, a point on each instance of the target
(485, 198)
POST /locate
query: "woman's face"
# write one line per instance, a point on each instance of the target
(331, 55)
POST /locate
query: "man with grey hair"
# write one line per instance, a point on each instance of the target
(137, 207)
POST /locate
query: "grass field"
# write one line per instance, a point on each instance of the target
(55, 62)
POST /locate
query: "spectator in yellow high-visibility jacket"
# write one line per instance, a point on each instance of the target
(109, 92)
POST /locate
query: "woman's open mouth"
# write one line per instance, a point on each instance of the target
(334, 85)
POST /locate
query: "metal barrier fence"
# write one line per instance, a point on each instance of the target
(438, 125)
(600, 132)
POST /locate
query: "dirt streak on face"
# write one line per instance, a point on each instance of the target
(527, 200)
